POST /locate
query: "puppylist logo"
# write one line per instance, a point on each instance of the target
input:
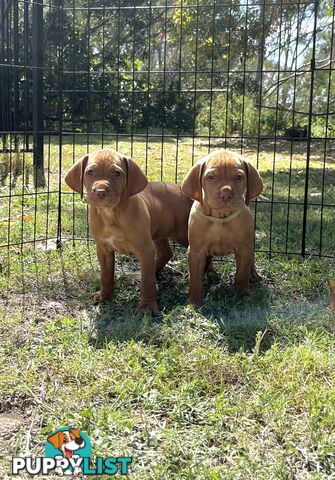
(68, 451)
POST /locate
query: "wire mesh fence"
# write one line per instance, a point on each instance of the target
(166, 83)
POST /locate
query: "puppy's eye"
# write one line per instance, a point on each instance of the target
(210, 176)
(116, 173)
(89, 173)
(239, 176)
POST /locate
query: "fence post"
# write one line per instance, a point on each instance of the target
(3, 114)
(16, 123)
(37, 48)
(309, 133)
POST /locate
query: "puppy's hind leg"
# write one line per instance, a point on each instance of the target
(163, 254)
(254, 275)
(209, 265)
(146, 258)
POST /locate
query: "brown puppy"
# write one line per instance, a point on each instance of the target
(129, 215)
(222, 183)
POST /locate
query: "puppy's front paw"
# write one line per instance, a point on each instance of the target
(100, 296)
(242, 291)
(196, 300)
(152, 306)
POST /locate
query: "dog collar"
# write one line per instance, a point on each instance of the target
(218, 219)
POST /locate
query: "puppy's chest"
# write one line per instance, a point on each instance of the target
(220, 245)
(114, 239)
(117, 244)
(220, 240)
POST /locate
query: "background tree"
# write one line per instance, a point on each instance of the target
(140, 65)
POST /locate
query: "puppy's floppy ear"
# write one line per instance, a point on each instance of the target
(254, 182)
(75, 176)
(56, 439)
(136, 180)
(192, 184)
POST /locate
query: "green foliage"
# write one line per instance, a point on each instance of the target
(138, 69)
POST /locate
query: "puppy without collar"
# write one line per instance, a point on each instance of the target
(129, 215)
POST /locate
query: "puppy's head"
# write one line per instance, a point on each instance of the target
(67, 441)
(220, 180)
(107, 176)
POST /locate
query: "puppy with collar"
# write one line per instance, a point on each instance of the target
(129, 215)
(222, 184)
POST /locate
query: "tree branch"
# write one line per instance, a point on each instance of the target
(297, 73)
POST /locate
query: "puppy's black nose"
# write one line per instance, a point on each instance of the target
(79, 441)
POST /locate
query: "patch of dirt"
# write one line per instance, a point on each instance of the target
(9, 424)
(34, 305)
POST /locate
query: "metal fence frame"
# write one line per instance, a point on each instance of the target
(25, 117)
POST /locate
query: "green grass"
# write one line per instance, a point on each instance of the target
(239, 389)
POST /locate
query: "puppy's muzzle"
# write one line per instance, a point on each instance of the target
(100, 193)
(226, 193)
